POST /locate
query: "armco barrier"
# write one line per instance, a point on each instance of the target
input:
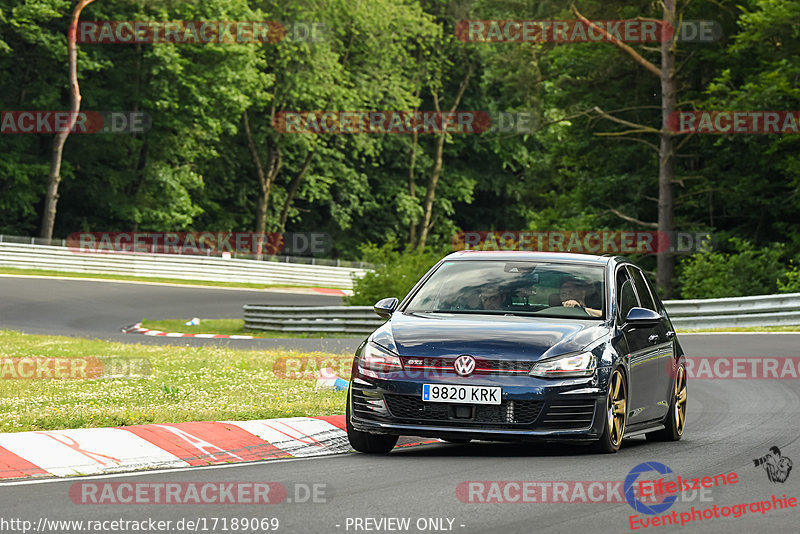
(761, 310)
(183, 267)
(334, 319)
(768, 310)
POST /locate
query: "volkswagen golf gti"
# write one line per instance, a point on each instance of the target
(503, 346)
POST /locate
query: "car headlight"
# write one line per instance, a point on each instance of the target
(375, 358)
(568, 365)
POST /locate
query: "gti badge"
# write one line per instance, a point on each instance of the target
(464, 365)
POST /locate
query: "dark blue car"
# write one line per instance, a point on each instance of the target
(520, 346)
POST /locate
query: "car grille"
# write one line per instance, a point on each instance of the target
(482, 366)
(414, 410)
(568, 415)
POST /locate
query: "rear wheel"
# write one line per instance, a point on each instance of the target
(616, 414)
(676, 416)
(366, 442)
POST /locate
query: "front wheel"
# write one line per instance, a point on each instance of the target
(676, 416)
(366, 442)
(616, 414)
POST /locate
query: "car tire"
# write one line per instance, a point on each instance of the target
(366, 442)
(615, 414)
(675, 420)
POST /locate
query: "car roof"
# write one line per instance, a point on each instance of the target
(526, 255)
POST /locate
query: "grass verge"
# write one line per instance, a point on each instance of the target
(184, 384)
(233, 327)
(124, 278)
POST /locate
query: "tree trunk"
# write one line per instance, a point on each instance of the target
(412, 192)
(665, 262)
(666, 158)
(430, 194)
(265, 177)
(292, 191)
(54, 178)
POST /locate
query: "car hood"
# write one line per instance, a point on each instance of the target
(485, 336)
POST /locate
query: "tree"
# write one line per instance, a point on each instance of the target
(51, 196)
(363, 63)
(666, 152)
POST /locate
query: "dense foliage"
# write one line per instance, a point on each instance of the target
(194, 169)
(395, 273)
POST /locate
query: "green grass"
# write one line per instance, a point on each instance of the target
(233, 327)
(64, 274)
(185, 384)
(791, 328)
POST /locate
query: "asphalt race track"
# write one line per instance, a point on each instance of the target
(98, 309)
(729, 424)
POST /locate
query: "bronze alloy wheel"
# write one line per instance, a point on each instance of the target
(680, 400)
(617, 407)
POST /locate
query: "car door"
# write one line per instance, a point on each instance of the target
(662, 345)
(642, 356)
(670, 347)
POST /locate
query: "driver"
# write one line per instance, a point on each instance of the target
(491, 298)
(573, 295)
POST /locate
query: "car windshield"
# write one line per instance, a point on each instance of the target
(542, 289)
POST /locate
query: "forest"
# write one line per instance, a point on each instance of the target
(599, 150)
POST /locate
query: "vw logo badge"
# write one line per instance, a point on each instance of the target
(464, 365)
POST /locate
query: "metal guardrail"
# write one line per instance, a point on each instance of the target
(182, 267)
(767, 310)
(335, 319)
(192, 251)
(762, 310)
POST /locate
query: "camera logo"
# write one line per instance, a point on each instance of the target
(777, 467)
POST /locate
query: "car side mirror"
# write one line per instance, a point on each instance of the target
(386, 307)
(642, 317)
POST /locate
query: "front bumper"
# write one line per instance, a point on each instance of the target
(531, 408)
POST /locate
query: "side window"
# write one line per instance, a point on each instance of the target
(642, 290)
(659, 304)
(626, 297)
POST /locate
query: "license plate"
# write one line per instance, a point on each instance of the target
(461, 394)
